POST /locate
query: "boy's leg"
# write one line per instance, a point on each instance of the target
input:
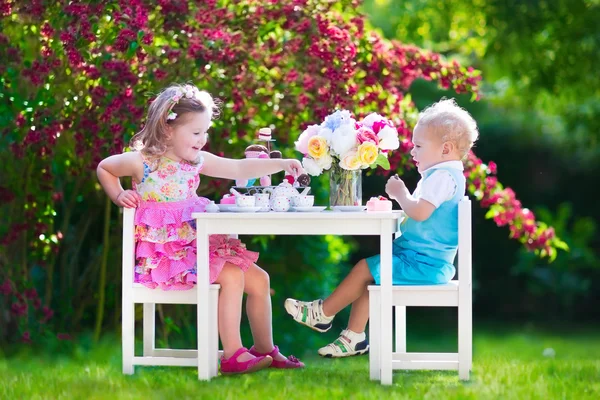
(319, 314)
(353, 340)
(359, 313)
(350, 290)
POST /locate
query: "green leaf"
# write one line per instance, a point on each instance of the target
(491, 213)
(559, 244)
(382, 161)
(553, 253)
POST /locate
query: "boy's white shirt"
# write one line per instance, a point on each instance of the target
(440, 186)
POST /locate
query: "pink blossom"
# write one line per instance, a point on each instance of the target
(367, 135)
(6, 287)
(26, 338)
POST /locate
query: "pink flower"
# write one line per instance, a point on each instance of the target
(6, 287)
(302, 142)
(379, 125)
(367, 135)
(26, 338)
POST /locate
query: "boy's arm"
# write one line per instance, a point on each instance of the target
(112, 168)
(417, 209)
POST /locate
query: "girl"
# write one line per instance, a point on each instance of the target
(165, 168)
(425, 252)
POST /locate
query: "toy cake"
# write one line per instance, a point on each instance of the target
(379, 203)
(264, 134)
(228, 199)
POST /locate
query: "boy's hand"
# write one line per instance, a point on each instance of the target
(292, 166)
(128, 199)
(394, 187)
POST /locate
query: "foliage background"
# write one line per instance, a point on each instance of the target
(75, 79)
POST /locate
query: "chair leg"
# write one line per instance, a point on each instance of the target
(128, 336)
(465, 339)
(214, 332)
(149, 329)
(374, 336)
(400, 328)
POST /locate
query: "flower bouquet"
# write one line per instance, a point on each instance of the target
(346, 147)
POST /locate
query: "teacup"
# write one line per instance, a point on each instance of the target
(303, 201)
(280, 204)
(245, 201)
(262, 199)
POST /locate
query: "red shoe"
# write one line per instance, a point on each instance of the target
(290, 363)
(232, 366)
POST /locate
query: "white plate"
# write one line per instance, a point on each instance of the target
(245, 209)
(226, 207)
(349, 208)
(309, 209)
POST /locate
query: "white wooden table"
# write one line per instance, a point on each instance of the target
(382, 224)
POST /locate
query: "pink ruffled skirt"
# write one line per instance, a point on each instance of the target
(165, 236)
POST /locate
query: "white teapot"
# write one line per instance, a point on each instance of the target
(285, 189)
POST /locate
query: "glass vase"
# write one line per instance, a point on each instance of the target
(345, 187)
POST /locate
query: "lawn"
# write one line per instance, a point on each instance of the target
(517, 364)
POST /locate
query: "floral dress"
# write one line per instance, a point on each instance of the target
(165, 230)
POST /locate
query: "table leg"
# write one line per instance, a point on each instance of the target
(203, 299)
(385, 348)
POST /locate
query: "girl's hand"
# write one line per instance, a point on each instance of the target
(128, 199)
(292, 166)
(394, 187)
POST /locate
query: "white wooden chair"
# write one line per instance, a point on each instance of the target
(456, 293)
(135, 293)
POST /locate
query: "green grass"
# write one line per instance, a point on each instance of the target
(507, 365)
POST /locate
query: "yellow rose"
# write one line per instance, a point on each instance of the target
(317, 147)
(367, 153)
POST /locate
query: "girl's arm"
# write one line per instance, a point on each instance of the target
(227, 168)
(112, 168)
(417, 209)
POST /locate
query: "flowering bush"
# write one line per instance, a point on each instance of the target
(506, 210)
(353, 145)
(76, 77)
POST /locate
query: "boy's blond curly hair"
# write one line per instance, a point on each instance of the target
(452, 123)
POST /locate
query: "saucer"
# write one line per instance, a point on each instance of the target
(244, 209)
(226, 207)
(309, 209)
(349, 208)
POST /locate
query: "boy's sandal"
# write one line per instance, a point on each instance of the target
(290, 363)
(232, 366)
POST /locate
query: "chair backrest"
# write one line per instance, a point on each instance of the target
(128, 246)
(464, 239)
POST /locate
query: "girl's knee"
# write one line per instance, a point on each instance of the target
(231, 276)
(264, 279)
(260, 283)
